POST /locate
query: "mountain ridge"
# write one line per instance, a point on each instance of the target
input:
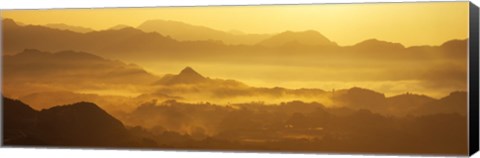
(308, 37)
(188, 32)
(62, 26)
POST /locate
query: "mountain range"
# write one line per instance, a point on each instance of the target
(189, 84)
(186, 32)
(61, 26)
(52, 74)
(159, 39)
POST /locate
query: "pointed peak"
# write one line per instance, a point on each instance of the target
(188, 69)
(188, 72)
(186, 76)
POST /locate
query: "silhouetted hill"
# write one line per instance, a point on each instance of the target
(400, 105)
(16, 116)
(186, 32)
(375, 44)
(65, 68)
(407, 104)
(409, 99)
(308, 38)
(454, 49)
(359, 98)
(61, 26)
(186, 76)
(110, 103)
(455, 102)
(81, 125)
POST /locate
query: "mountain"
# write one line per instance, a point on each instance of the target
(401, 105)
(456, 102)
(61, 26)
(186, 76)
(359, 98)
(17, 115)
(114, 105)
(378, 45)
(308, 38)
(70, 71)
(407, 104)
(80, 125)
(124, 43)
(454, 49)
(409, 99)
(186, 32)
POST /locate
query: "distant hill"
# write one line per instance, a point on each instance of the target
(407, 104)
(307, 38)
(359, 98)
(401, 105)
(186, 32)
(119, 27)
(69, 70)
(113, 104)
(455, 102)
(378, 44)
(77, 125)
(186, 76)
(61, 26)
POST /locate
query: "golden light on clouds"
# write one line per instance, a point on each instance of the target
(346, 24)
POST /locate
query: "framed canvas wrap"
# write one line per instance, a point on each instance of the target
(366, 78)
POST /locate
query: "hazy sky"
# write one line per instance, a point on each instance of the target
(346, 24)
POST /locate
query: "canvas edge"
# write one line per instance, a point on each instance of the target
(473, 135)
(1, 81)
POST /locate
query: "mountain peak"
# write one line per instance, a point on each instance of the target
(308, 37)
(187, 69)
(186, 76)
(188, 72)
(378, 44)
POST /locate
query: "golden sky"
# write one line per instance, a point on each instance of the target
(346, 24)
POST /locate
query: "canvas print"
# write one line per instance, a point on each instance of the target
(374, 78)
